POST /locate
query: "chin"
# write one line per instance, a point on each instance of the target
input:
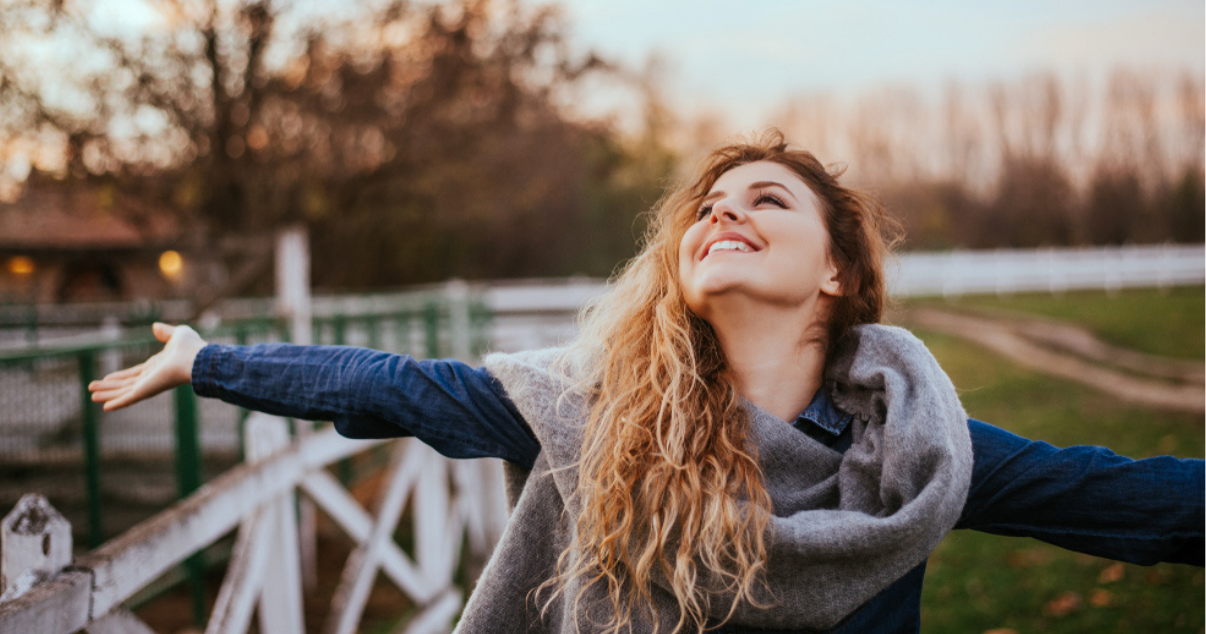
(713, 288)
(705, 294)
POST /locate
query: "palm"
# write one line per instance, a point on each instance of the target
(169, 368)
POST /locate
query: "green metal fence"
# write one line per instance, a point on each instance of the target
(109, 470)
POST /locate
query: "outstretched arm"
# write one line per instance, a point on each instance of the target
(1087, 499)
(459, 410)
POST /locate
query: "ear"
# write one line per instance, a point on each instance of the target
(832, 284)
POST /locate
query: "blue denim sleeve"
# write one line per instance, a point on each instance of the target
(461, 411)
(1087, 499)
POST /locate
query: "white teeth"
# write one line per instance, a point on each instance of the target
(729, 245)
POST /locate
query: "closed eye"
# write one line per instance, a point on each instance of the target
(706, 210)
(771, 199)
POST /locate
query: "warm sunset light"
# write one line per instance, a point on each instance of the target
(171, 264)
(20, 265)
(736, 275)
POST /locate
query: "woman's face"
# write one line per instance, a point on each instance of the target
(758, 233)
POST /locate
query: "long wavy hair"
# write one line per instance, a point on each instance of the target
(670, 491)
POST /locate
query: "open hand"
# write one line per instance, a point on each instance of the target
(169, 368)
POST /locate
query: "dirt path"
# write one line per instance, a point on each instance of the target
(1073, 353)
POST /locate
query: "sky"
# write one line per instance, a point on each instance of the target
(742, 60)
(739, 62)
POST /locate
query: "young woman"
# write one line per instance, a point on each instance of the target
(730, 442)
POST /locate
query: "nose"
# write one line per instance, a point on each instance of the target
(729, 210)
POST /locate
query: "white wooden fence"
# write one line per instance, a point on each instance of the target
(45, 592)
(539, 313)
(1048, 270)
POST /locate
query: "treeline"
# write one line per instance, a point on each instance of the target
(417, 141)
(425, 141)
(1044, 161)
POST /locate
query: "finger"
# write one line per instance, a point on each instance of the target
(111, 381)
(120, 402)
(105, 396)
(162, 331)
(128, 372)
(111, 384)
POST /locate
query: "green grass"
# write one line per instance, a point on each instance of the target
(1163, 323)
(977, 582)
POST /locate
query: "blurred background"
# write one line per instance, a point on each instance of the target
(488, 140)
(153, 151)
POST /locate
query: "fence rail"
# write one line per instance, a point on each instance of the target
(1048, 270)
(54, 439)
(453, 501)
(538, 313)
(459, 320)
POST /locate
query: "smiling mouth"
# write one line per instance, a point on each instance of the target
(728, 245)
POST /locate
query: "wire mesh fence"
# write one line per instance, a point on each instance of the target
(106, 471)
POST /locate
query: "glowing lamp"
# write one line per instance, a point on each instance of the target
(171, 264)
(20, 265)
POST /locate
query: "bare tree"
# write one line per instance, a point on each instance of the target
(1183, 199)
(1045, 159)
(426, 138)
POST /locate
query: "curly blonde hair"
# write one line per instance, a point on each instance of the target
(669, 488)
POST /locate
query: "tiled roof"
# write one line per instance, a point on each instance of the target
(78, 217)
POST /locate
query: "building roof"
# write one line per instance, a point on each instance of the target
(82, 217)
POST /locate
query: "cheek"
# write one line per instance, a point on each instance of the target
(687, 247)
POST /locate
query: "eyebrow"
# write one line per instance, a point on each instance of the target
(757, 185)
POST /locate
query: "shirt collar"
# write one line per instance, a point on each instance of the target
(822, 413)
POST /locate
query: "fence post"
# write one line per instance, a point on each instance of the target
(458, 312)
(479, 324)
(281, 602)
(339, 335)
(35, 544)
(295, 305)
(188, 480)
(241, 339)
(431, 329)
(339, 330)
(92, 472)
(293, 281)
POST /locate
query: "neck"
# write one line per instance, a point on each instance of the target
(773, 352)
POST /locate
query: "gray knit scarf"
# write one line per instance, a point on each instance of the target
(844, 526)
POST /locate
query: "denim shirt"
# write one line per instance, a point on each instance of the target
(1082, 498)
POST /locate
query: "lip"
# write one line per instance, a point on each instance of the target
(728, 235)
